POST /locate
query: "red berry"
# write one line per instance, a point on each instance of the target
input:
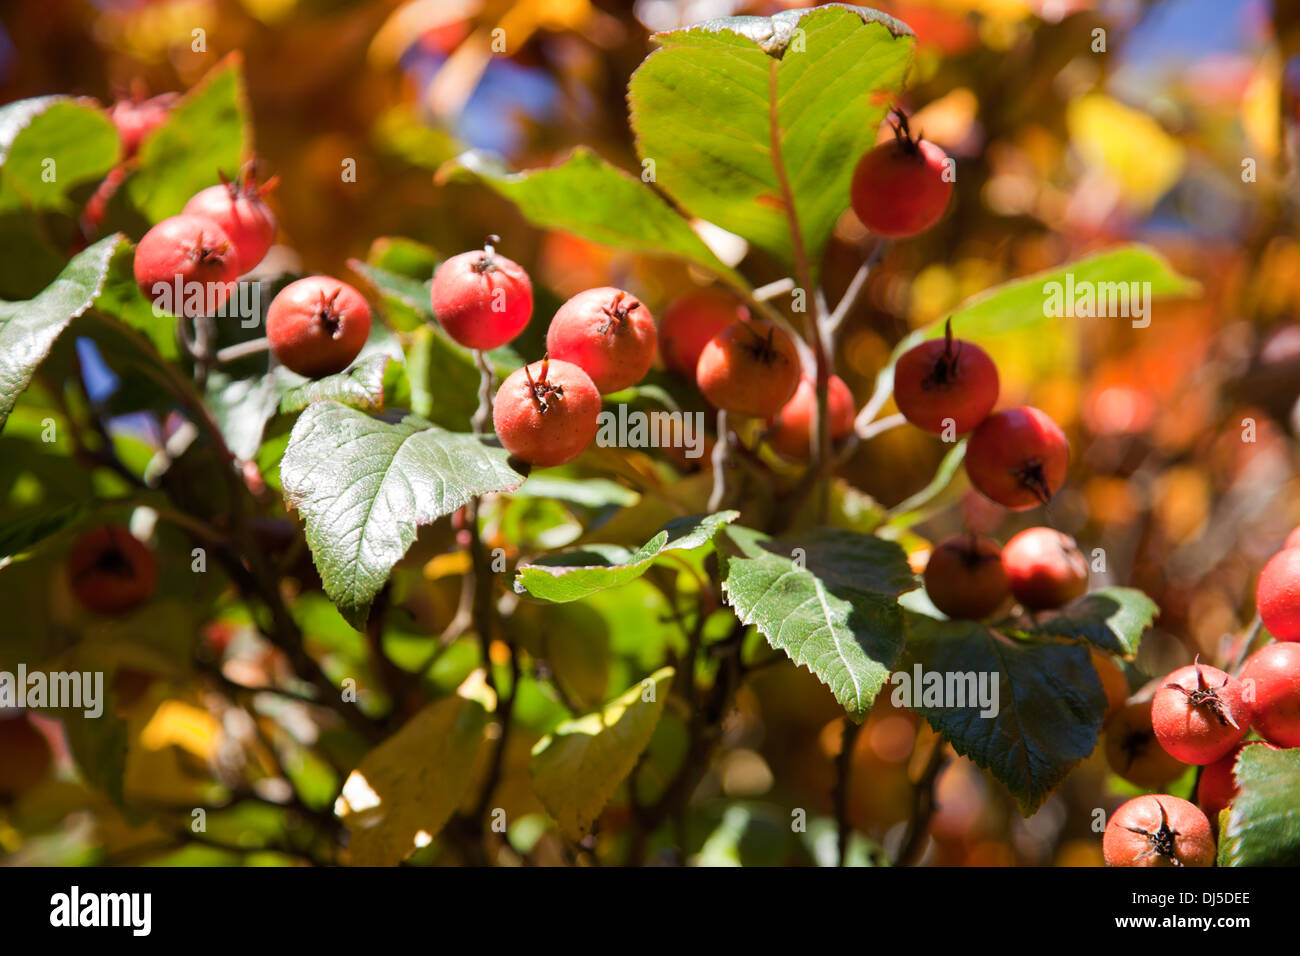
(1113, 682)
(749, 368)
(1046, 569)
(790, 431)
(1158, 830)
(1198, 713)
(110, 572)
(317, 326)
(187, 258)
(690, 322)
(26, 756)
(899, 188)
(945, 381)
(1271, 685)
(1018, 457)
(481, 299)
(1133, 751)
(237, 207)
(965, 578)
(137, 118)
(606, 332)
(1218, 786)
(1277, 595)
(546, 413)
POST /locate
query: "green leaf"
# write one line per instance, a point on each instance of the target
(445, 378)
(590, 198)
(1263, 824)
(24, 534)
(206, 132)
(577, 768)
(28, 330)
(48, 146)
(828, 600)
(722, 107)
(364, 485)
(1048, 712)
(241, 408)
(1112, 618)
(573, 575)
(361, 386)
(412, 782)
(406, 299)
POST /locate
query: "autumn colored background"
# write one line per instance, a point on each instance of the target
(1182, 432)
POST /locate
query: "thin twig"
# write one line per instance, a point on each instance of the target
(720, 449)
(233, 353)
(923, 807)
(851, 295)
(843, 774)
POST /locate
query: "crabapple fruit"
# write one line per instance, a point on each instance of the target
(690, 322)
(110, 572)
(1277, 595)
(482, 299)
(1198, 713)
(606, 332)
(749, 368)
(965, 578)
(1158, 830)
(1045, 568)
(1017, 457)
(136, 118)
(25, 756)
(1271, 684)
(790, 430)
(239, 209)
(317, 326)
(1292, 540)
(186, 257)
(1113, 683)
(547, 413)
(901, 188)
(945, 381)
(1133, 752)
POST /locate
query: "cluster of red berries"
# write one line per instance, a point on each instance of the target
(1201, 715)
(315, 326)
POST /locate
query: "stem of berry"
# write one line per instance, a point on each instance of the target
(232, 353)
(483, 414)
(843, 773)
(721, 449)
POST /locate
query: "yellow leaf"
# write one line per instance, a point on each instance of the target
(406, 789)
(577, 768)
(1126, 146)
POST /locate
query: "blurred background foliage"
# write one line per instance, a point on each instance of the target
(1075, 124)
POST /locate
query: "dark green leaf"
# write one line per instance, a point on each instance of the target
(361, 386)
(828, 600)
(1049, 702)
(364, 486)
(1112, 618)
(1263, 822)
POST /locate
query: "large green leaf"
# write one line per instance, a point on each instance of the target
(412, 782)
(364, 486)
(1263, 822)
(361, 386)
(1112, 618)
(828, 600)
(206, 132)
(577, 768)
(19, 536)
(1049, 702)
(28, 330)
(587, 196)
(49, 145)
(726, 106)
(573, 575)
